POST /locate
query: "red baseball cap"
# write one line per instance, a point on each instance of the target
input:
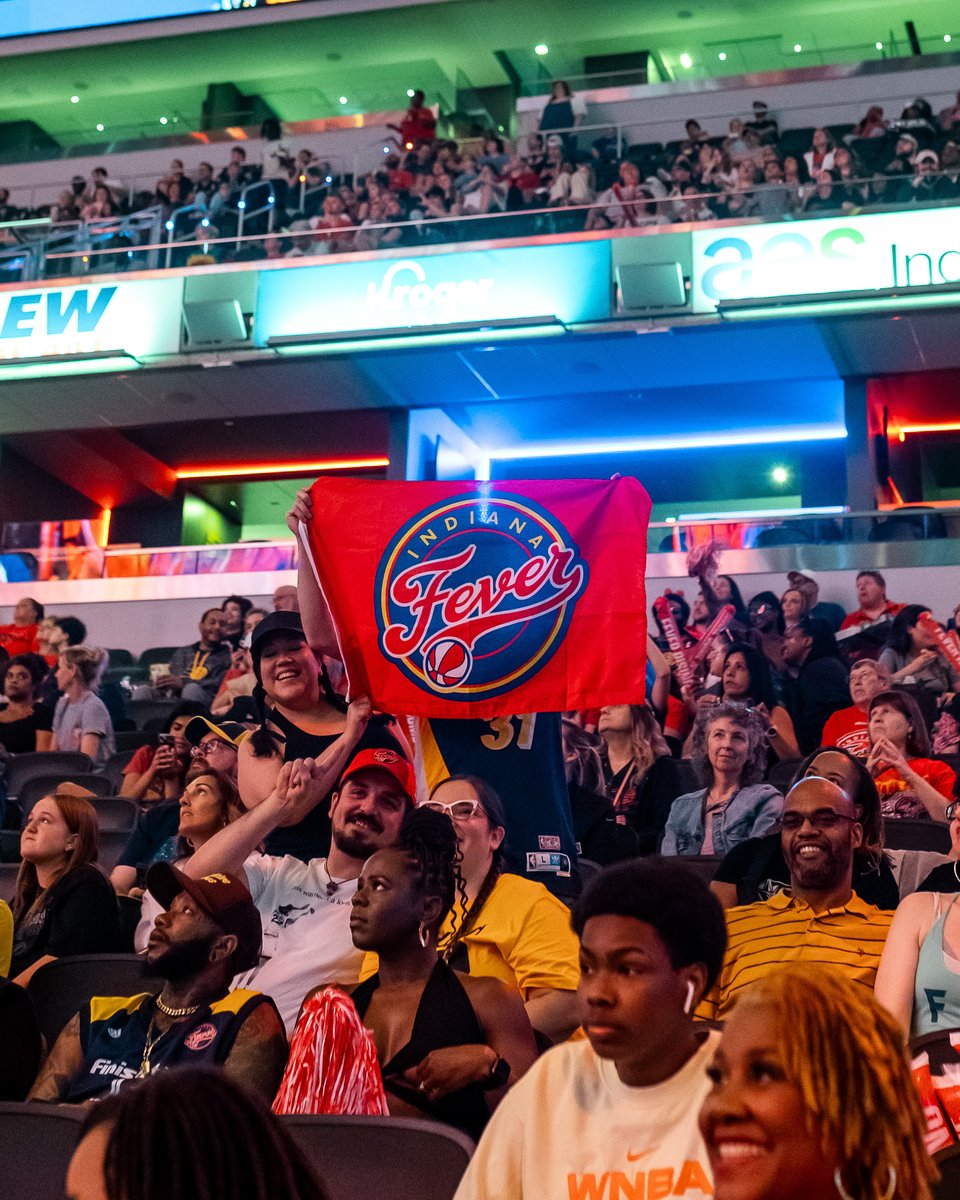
(383, 759)
(224, 898)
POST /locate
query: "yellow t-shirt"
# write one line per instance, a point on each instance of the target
(6, 937)
(522, 936)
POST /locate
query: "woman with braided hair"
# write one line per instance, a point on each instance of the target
(812, 1097)
(448, 1044)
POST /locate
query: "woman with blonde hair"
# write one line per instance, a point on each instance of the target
(642, 780)
(81, 720)
(812, 1096)
(62, 903)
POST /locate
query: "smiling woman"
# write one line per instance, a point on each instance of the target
(812, 1097)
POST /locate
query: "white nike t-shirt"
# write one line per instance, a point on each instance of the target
(570, 1130)
(306, 933)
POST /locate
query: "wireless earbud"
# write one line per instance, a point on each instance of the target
(691, 992)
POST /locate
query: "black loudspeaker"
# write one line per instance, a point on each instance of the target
(651, 285)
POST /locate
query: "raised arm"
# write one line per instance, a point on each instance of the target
(317, 622)
(897, 974)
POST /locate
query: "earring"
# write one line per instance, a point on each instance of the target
(845, 1195)
(423, 933)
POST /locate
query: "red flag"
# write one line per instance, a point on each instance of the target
(485, 599)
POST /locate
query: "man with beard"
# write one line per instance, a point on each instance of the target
(820, 919)
(209, 930)
(305, 906)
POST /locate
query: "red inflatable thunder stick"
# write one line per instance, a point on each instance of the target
(333, 1064)
(946, 642)
(682, 664)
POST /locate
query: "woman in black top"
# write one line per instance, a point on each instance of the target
(448, 1044)
(301, 716)
(62, 904)
(25, 724)
(756, 869)
(642, 780)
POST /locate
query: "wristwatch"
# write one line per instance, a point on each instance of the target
(499, 1074)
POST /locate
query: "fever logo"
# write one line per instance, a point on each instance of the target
(475, 594)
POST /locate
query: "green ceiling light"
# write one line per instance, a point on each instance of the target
(686, 61)
(99, 127)
(541, 49)
(163, 120)
(780, 475)
(74, 99)
(797, 47)
(343, 99)
(97, 362)
(722, 56)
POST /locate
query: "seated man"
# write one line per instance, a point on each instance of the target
(872, 598)
(197, 670)
(820, 919)
(209, 930)
(620, 1108)
(305, 907)
(21, 636)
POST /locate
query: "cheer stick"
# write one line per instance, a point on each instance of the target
(681, 663)
(704, 648)
(947, 643)
(333, 1064)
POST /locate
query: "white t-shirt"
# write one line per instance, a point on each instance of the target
(570, 1128)
(306, 933)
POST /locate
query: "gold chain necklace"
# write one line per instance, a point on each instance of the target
(175, 1012)
(148, 1049)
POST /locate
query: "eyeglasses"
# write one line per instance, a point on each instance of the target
(953, 810)
(825, 818)
(459, 810)
(204, 748)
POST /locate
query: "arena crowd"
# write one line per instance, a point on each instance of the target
(714, 998)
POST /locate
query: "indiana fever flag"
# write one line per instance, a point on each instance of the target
(485, 599)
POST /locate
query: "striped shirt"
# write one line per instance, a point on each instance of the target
(768, 934)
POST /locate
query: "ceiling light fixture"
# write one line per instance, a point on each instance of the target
(541, 49)
(686, 61)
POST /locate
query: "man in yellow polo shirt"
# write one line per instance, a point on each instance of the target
(820, 919)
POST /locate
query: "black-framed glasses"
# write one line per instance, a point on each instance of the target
(459, 810)
(822, 819)
(953, 810)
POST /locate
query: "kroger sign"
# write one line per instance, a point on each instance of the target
(570, 281)
(819, 257)
(141, 317)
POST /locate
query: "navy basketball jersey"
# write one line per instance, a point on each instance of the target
(522, 759)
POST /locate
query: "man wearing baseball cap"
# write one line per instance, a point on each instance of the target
(208, 931)
(805, 582)
(305, 906)
(214, 746)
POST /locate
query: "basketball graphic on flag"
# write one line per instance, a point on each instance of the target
(447, 663)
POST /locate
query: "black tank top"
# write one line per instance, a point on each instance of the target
(445, 1017)
(311, 837)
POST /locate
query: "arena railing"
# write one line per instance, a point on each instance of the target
(761, 530)
(662, 216)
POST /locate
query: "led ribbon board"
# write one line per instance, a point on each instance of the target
(570, 282)
(883, 252)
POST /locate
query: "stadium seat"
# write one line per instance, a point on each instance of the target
(22, 767)
(781, 774)
(156, 654)
(42, 785)
(115, 814)
(8, 880)
(113, 768)
(588, 870)
(38, 1142)
(689, 778)
(59, 989)
(142, 711)
(112, 842)
(129, 740)
(121, 658)
(916, 835)
(392, 1158)
(705, 865)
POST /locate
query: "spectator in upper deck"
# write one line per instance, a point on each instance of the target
(763, 124)
(821, 153)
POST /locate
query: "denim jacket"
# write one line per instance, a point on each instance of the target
(751, 812)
